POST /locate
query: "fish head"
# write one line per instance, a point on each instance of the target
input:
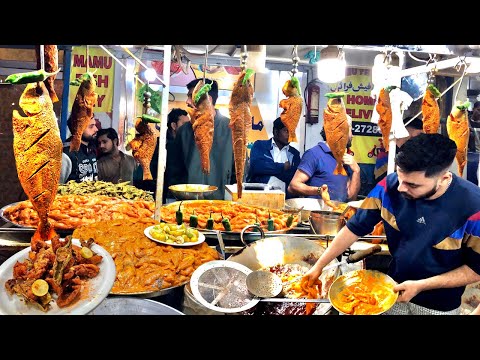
(243, 89)
(34, 98)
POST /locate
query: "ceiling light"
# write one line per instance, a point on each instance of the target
(257, 55)
(331, 66)
(150, 74)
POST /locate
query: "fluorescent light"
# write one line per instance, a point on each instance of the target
(257, 55)
(331, 66)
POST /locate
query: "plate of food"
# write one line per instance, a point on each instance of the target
(175, 235)
(84, 292)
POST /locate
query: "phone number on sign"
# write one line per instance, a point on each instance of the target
(365, 129)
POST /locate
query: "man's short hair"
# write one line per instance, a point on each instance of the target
(110, 132)
(174, 115)
(278, 124)
(415, 123)
(213, 91)
(476, 104)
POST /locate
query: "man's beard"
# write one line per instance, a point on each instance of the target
(424, 196)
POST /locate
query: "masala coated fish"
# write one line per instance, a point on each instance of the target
(292, 106)
(337, 129)
(240, 123)
(50, 53)
(430, 110)
(384, 110)
(202, 118)
(82, 109)
(458, 131)
(143, 145)
(37, 147)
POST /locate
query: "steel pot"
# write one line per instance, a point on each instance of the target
(326, 222)
(307, 205)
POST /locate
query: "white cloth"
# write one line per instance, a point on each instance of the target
(399, 101)
(279, 156)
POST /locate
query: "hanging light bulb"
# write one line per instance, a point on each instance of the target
(150, 74)
(257, 55)
(331, 66)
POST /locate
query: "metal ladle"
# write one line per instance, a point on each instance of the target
(265, 284)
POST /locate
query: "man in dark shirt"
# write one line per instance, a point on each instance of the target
(84, 161)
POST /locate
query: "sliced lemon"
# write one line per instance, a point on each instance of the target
(86, 252)
(40, 287)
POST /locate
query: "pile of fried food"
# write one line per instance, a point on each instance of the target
(60, 269)
(240, 215)
(71, 211)
(121, 190)
(365, 294)
(143, 265)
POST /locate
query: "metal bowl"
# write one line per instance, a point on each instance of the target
(383, 282)
(309, 204)
(191, 191)
(133, 306)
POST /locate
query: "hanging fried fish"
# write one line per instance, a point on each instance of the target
(337, 129)
(430, 110)
(38, 154)
(241, 122)
(202, 119)
(384, 110)
(82, 109)
(144, 143)
(458, 131)
(50, 52)
(292, 106)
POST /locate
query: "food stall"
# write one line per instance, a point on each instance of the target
(159, 262)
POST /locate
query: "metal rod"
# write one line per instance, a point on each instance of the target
(67, 69)
(120, 63)
(42, 57)
(87, 59)
(205, 63)
(165, 74)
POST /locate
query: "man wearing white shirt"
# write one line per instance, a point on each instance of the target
(274, 161)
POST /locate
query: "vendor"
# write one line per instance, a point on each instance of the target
(274, 161)
(316, 169)
(433, 234)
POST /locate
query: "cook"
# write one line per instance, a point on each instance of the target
(433, 234)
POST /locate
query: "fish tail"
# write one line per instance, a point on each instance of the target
(44, 232)
(339, 170)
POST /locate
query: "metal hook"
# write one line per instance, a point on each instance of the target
(295, 60)
(460, 63)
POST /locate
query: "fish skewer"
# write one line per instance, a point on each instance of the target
(337, 129)
(37, 147)
(292, 107)
(50, 53)
(202, 117)
(430, 110)
(458, 131)
(144, 143)
(82, 109)
(240, 123)
(384, 110)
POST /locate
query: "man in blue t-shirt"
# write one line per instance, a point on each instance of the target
(432, 223)
(316, 169)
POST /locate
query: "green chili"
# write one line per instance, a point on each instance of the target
(434, 90)
(290, 220)
(210, 222)
(193, 220)
(390, 88)
(332, 95)
(270, 224)
(203, 90)
(248, 74)
(179, 215)
(256, 223)
(294, 81)
(464, 106)
(84, 77)
(226, 224)
(149, 119)
(29, 77)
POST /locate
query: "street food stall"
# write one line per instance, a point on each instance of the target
(122, 242)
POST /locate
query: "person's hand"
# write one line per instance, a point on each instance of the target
(312, 275)
(286, 165)
(350, 161)
(407, 290)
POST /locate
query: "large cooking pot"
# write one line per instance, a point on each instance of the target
(285, 250)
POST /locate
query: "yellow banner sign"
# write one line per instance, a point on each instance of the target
(359, 105)
(103, 67)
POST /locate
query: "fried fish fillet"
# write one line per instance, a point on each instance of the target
(384, 110)
(430, 110)
(458, 131)
(337, 130)
(37, 147)
(240, 123)
(292, 107)
(143, 145)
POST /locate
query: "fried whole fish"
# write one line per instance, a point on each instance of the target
(430, 110)
(82, 109)
(292, 106)
(458, 131)
(37, 147)
(337, 129)
(143, 145)
(384, 110)
(240, 123)
(50, 53)
(202, 118)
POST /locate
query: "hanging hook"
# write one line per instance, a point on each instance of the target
(86, 55)
(433, 70)
(205, 63)
(295, 60)
(243, 57)
(461, 62)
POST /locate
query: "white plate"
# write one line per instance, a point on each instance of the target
(98, 288)
(201, 238)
